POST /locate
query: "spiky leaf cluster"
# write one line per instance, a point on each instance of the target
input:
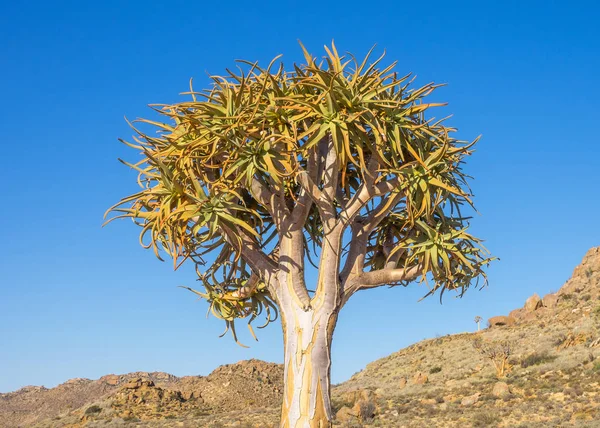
(259, 128)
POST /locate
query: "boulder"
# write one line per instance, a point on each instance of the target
(188, 395)
(529, 317)
(550, 300)
(470, 400)
(402, 383)
(501, 320)
(358, 395)
(501, 390)
(345, 414)
(138, 383)
(112, 379)
(589, 264)
(420, 378)
(517, 314)
(533, 303)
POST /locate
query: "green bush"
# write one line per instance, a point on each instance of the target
(435, 369)
(537, 358)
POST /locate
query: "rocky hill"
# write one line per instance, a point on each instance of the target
(147, 396)
(538, 366)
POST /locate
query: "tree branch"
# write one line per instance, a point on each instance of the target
(304, 202)
(271, 201)
(361, 230)
(250, 251)
(362, 197)
(379, 278)
(325, 206)
(331, 172)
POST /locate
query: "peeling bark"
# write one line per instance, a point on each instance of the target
(307, 351)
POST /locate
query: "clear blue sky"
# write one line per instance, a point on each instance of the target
(80, 301)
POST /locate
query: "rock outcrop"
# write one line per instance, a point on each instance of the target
(568, 302)
(501, 320)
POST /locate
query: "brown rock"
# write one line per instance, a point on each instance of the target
(589, 264)
(358, 395)
(517, 314)
(345, 414)
(550, 300)
(533, 303)
(402, 383)
(188, 395)
(470, 400)
(420, 379)
(501, 320)
(449, 398)
(112, 380)
(367, 395)
(138, 383)
(501, 390)
(529, 316)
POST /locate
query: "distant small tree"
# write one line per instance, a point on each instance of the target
(477, 321)
(333, 163)
(497, 352)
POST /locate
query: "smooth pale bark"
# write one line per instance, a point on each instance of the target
(307, 352)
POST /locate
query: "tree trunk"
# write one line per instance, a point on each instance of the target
(307, 353)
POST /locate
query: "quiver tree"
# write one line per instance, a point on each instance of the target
(497, 352)
(334, 163)
(477, 321)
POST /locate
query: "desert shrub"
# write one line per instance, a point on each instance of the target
(92, 410)
(403, 408)
(131, 419)
(485, 419)
(571, 339)
(435, 369)
(573, 392)
(590, 358)
(560, 340)
(536, 359)
(498, 353)
(567, 296)
(337, 403)
(366, 411)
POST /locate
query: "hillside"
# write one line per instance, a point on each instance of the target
(552, 364)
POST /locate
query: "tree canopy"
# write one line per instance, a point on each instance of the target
(265, 154)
